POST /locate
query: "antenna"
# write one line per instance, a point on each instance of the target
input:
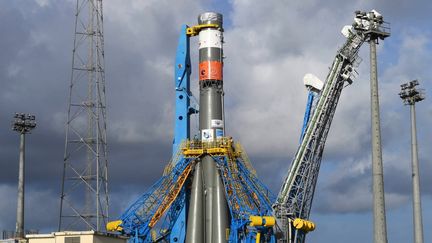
(84, 196)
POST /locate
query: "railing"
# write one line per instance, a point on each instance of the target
(224, 142)
(9, 234)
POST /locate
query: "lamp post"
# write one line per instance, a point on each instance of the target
(23, 124)
(410, 95)
(374, 28)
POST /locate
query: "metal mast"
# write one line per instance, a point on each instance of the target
(84, 197)
(296, 194)
(23, 124)
(372, 23)
(294, 201)
(410, 95)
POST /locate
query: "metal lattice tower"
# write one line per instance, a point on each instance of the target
(295, 198)
(296, 194)
(84, 197)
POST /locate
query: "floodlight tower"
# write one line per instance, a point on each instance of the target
(84, 196)
(23, 124)
(375, 28)
(410, 95)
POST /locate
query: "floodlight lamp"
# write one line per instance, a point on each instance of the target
(376, 13)
(358, 15)
(422, 96)
(380, 20)
(358, 21)
(347, 30)
(23, 123)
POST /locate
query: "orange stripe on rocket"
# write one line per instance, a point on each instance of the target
(210, 70)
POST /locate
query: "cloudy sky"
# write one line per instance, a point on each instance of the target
(270, 45)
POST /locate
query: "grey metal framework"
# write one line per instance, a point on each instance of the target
(410, 95)
(296, 194)
(84, 196)
(23, 124)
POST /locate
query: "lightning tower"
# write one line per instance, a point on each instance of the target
(372, 24)
(84, 195)
(23, 124)
(411, 95)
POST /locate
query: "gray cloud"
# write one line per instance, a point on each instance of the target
(270, 45)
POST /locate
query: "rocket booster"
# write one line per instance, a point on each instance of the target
(208, 210)
(211, 115)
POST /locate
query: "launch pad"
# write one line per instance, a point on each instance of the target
(209, 191)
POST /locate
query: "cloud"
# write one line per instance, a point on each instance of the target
(348, 188)
(269, 46)
(40, 208)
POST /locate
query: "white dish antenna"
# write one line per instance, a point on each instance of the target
(311, 81)
(347, 30)
(376, 13)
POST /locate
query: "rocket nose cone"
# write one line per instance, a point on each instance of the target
(210, 18)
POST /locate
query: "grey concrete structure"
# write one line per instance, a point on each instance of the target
(410, 95)
(374, 29)
(380, 227)
(417, 209)
(23, 124)
(19, 227)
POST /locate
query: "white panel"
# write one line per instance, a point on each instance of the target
(311, 80)
(376, 13)
(347, 30)
(210, 38)
(358, 21)
(216, 123)
(207, 135)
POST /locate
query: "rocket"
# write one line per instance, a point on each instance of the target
(208, 210)
(210, 78)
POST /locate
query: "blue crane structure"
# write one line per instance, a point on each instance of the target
(255, 214)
